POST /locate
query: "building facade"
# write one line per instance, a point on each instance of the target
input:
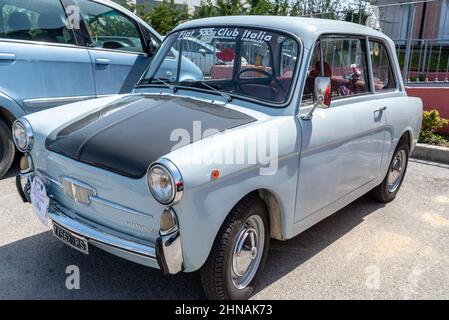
(431, 18)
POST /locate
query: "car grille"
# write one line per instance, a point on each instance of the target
(77, 191)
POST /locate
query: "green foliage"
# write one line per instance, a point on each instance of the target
(431, 122)
(266, 7)
(230, 7)
(166, 16)
(259, 7)
(163, 17)
(207, 9)
(279, 8)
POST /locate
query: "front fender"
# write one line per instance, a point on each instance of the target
(207, 202)
(10, 105)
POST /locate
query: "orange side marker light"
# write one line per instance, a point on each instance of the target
(215, 174)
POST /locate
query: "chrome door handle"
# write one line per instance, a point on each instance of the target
(102, 61)
(7, 57)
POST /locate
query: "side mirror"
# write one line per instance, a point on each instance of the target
(202, 51)
(151, 47)
(321, 96)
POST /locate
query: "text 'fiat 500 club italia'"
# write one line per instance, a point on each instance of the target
(290, 120)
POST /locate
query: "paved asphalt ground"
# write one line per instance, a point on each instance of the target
(365, 251)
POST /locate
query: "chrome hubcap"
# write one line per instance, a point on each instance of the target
(396, 171)
(247, 252)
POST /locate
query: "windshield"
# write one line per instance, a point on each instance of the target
(230, 61)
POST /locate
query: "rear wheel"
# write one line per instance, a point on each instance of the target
(387, 190)
(239, 252)
(7, 149)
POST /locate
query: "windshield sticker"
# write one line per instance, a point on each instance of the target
(227, 33)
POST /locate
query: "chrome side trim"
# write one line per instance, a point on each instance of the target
(118, 206)
(54, 102)
(54, 181)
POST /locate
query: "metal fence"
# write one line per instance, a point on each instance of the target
(420, 30)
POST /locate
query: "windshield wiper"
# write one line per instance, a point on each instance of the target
(227, 97)
(168, 85)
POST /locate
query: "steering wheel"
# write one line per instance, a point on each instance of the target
(265, 73)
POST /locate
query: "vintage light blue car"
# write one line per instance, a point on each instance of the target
(297, 118)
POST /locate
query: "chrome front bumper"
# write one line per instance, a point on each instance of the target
(165, 255)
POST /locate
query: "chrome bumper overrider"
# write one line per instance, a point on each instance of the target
(165, 255)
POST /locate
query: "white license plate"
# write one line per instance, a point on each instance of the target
(39, 199)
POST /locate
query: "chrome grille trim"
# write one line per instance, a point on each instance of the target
(118, 206)
(95, 198)
(77, 191)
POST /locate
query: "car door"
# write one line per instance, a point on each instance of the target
(342, 145)
(117, 47)
(41, 65)
(385, 85)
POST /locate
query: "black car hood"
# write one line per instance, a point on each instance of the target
(128, 135)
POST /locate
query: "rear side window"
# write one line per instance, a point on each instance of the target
(109, 28)
(382, 70)
(44, 22)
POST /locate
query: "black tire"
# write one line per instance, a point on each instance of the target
(382, 192)
(7, 148)
(216, 274)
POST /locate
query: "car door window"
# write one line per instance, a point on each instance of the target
(109, 28)
(382, 71)
(35, 21)
(344, 61)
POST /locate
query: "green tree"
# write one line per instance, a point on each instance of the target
(260, 7)
(163, 17)
(207, 9)
(280, 8)
(166, 16)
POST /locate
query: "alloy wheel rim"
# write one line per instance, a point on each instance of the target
(396, 171)
(247, 251)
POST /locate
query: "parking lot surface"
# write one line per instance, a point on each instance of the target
(365, 251)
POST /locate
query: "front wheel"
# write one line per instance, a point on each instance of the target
(7, 149)
(387, 190)
(239, 252)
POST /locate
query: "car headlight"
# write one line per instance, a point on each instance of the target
(165, 182)
(23, 135)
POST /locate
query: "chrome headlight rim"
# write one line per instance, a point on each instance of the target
(29, 135)
(176, 179)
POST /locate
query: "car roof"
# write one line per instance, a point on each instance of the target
(308, 29)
